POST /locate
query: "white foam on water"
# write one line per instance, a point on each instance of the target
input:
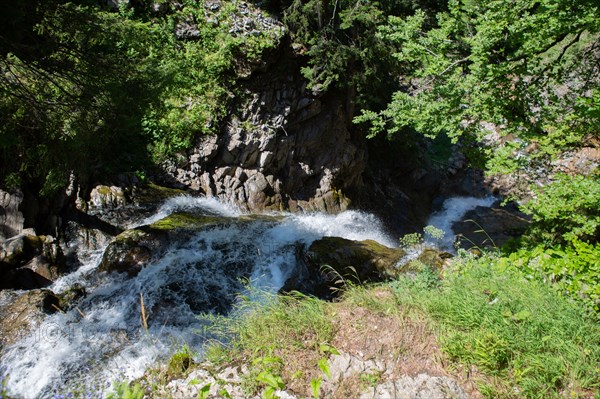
(453, 210)
(103, 339)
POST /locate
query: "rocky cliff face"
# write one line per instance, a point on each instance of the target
(283, 147)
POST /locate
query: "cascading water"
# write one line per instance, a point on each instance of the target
(102, 339)
(453, 210)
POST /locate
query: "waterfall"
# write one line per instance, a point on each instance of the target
(103, 338)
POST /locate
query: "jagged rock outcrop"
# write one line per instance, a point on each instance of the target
(284, 148)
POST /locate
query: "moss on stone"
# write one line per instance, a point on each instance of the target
(188, 221)
(130, 236)
(152, 193)
(365, 260)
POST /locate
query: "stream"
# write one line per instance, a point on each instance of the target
(103, 339)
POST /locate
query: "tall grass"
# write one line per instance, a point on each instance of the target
(280, 339)
(292, 320)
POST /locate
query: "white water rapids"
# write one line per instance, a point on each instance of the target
(102, 340)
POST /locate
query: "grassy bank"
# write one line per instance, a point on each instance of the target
(498, 332)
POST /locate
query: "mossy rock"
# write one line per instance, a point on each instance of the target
(434, 258)
(133, 249)
(152, 193)
(186, 221)
(180, 363)
(71, 296)
(357, 261)
(183, 221)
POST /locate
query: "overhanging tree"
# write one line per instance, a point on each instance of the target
(528, 67)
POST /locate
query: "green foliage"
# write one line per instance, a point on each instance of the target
(265, 374)
(273, 324)
(338, 36)
(125, 391)
(411, 240)
(70, 99)
(315, 387)
(516, 331)
(417, 240)
(113, 90)
(370, 379)
(204, 392)
(511, 64)
(295, 319)
(573, 269)
(3, 383)
(567, 209)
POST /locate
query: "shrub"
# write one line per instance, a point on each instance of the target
(574, 269)
(566, 210)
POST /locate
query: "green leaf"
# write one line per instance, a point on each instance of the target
(324, 366)
(315, 385)
(270, 380)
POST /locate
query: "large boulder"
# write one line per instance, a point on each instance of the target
(485, 227)
(332, 261)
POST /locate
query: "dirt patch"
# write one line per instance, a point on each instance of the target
(300, 366)
(403, 346)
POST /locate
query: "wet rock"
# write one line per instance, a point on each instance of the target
(71, 296)
(368, 260)
(22, 313)
(491, 227)
(131, 250)
(331, 261)
(108, 212)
